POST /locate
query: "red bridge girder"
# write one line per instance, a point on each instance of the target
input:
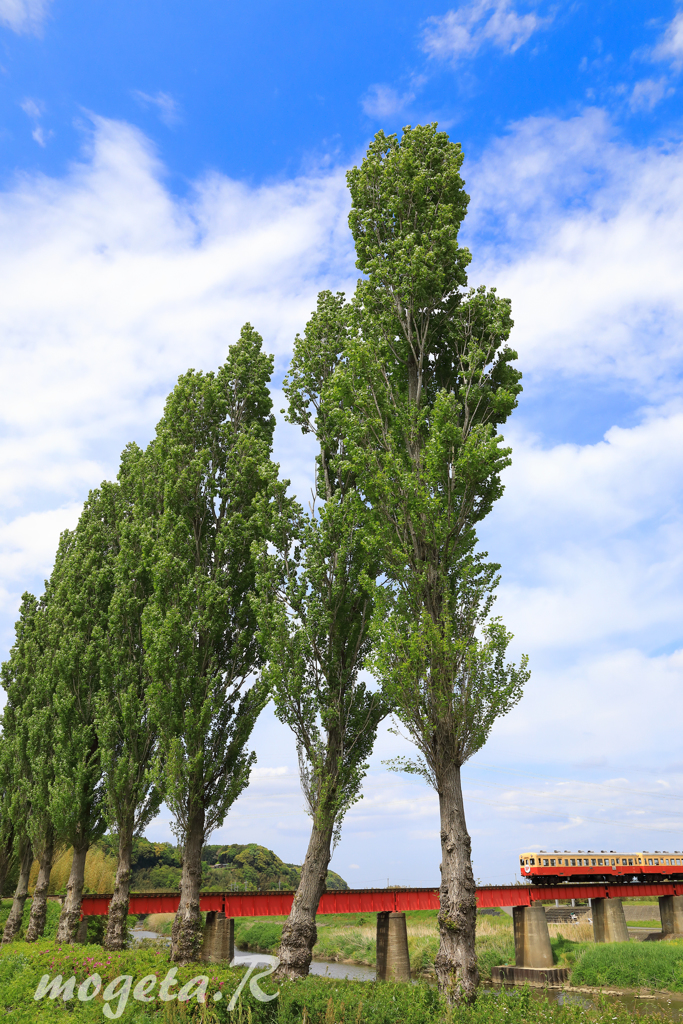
(357, 901)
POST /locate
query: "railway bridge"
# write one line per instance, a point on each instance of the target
(533, 954)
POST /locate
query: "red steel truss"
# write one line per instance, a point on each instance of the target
(356, 901)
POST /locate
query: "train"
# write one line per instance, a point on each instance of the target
(541, 867)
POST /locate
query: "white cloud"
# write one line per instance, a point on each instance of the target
(670, 46)
(584, 233)
(384, 101)
(113, 288)
(167, 107)
(648, 92)
(23, 15)
(464, 31)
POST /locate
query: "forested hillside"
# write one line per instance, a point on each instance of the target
(157, 866)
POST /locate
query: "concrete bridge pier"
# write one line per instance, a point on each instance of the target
(533, 952)
(671, 913)
(609, 922)
(219, 937)
(393, 962)
(532, 941)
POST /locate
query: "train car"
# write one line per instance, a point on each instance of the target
(545, 868)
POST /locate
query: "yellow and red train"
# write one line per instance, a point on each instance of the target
(545, 868)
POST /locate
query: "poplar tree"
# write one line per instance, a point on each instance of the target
(127, 735)
(427, 379)
(209, 460)
(316, 587)
(81, 590)
(17, 676)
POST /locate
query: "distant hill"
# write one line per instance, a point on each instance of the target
(253, 867)
(157, 866)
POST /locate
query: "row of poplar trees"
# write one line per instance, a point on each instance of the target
(195, 589)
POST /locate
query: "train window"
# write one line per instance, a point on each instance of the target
(572, 861)
(678, 860)
(599, 860)
(666, 861)
(613, 860)
(639, 861)
(552, 862)
(593, 861)
(566, 862)
(532, 862)
(649, 860)
(586, 861)
(657, 860)
(527, 861)
(545, 862)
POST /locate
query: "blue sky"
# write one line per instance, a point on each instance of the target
(169, 171)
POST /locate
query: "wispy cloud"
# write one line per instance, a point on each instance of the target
(464, 31)
(23, 16)
(34, 109)
(670, 46)
(648, 92)
(385, 101)
(167, 108)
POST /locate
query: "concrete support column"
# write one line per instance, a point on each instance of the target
(219, 937)
(393, 962)
(609, 922)
(532, 941)
(671, 913)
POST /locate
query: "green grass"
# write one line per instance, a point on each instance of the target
(313, 1000)
(651, 965)
(644, 924)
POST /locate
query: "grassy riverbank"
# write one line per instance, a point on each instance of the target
(313, 1001)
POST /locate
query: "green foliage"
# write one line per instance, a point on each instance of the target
(653, 965)
(51, 919)
(316, 585)
(196, 485)
(426, 380)
(314, 999)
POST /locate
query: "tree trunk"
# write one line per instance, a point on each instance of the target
(116, 936)
(299, 933)
(13, 922)
(186, 937)
(70, 916)
(456, 961)
(36, 924)
(7, 859)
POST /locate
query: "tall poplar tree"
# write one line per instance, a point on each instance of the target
(427, 379)
(17, 676)
(316, 588)
(126, 732)
(209, 460)
(82, 585)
